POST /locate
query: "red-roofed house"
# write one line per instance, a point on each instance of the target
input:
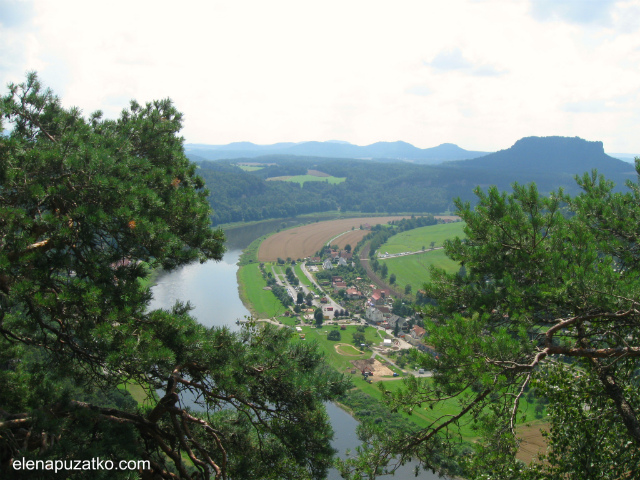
(353, 293)
(417, 332)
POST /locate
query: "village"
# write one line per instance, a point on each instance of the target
(331, 286)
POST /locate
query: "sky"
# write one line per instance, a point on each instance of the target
(480, 74)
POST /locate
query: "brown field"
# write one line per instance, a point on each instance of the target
(352, 238)
(533, 443)
(305, 241)
(317, 173)
(374, 366)
(285, 178)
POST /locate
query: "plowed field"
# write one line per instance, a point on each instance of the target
(305, 241)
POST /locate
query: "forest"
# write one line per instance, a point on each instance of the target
(396, 186)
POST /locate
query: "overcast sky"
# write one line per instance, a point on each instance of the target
(480, 74)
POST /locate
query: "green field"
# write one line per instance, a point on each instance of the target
(301, 276)
(414, 240)
(309, 178)
(263, 303)
(414, 269)
(337, 361)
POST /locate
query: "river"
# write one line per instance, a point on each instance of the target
(212, 289)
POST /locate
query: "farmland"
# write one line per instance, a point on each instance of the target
(305, 241)
(309, 178)
(414, 240)
(250, 168)
(414, 269)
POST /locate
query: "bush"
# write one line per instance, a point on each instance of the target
(334, 335)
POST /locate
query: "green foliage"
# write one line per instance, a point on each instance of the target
(549, 297)
(384, 269)
(83, 202)
(334, 335)
(301, 179)
(379, 429)
(358, 338)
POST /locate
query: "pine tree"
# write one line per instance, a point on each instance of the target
(87, 206)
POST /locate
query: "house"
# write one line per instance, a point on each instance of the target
(353, 293)
(379, 296)
(327, 265)
(339, 286)
(417, 332)
(396, 320)
(373, 315)
(342, 262)
(377, 314)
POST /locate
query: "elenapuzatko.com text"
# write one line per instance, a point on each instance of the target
(71, 465)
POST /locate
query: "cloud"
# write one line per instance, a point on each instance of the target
(454, 60)
(487, 71)
(586, 106)
(617, 103)
(450, 60)
(15, 13)
(582, 12)
(420, 90)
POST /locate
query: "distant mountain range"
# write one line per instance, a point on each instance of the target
(380, 151)
(377, 151)
(392, 186)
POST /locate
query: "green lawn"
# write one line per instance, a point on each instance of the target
(263, 303)
(414, 240)
(297, 269)
(340, 362)
(309, 178)
(414, 269)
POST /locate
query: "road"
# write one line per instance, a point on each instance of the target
(402, 254)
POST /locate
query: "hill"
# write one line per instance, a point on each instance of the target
(398, 187)
(551, 162)
(333, 149)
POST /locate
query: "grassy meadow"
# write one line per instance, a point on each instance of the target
(310, 178)
(335, 359)
(414, 240)
(262, 303)
(414, 269)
